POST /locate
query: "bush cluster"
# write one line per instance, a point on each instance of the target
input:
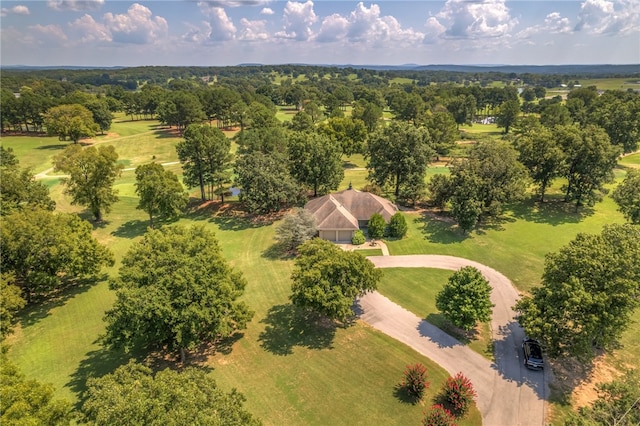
(358, 238)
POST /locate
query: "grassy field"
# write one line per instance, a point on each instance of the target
(289, 370)
(632, 160)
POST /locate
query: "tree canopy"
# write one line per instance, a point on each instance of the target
(175, 290)
(627, 195)
(266, 184)
(92, 172)
(398, 152)
(70, 121)
(205, 157)
(296, 228)
(327, 279)
(466, 298)
(316, 162)
(45, 249)
(589, 290)
(160, 192)
(29, 402)
(18, 187)
(134, 395)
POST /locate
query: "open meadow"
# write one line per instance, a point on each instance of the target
(292, 372)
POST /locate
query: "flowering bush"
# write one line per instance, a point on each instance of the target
(414, 380)
(459, 393)
(439, 416)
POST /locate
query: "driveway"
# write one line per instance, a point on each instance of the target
(508, 393)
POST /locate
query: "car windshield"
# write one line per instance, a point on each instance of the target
(535, 350)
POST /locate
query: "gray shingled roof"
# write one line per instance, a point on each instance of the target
(343, 210)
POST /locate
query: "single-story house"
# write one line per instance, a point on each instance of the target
(339, 214)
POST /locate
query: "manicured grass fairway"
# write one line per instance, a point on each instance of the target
(632, 160)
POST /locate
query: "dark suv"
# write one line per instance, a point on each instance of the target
(532, 354)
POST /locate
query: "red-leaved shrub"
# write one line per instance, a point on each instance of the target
(414, 380)
(439, 416)
(459, 394)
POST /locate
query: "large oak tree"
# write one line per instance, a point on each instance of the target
(327, 279)
(45, 249)
(589, 290)
(175, 290)
(134, 395)
(92, 172)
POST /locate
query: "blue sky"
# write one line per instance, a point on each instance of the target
(212, 33)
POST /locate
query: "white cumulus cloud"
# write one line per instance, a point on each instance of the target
(607, 17)
(235, 3)
(470, 20)
(366, 25)
(137, 26)
(267, 11)
(554, 23)
(16, 10)
(298, 19)
(86, 30)
(253, 30)
(75, 5)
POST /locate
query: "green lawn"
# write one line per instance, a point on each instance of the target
(416, 288)
(632, 160)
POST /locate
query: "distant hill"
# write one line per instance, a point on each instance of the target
(507, 69)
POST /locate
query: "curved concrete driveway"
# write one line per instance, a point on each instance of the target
(508, 393)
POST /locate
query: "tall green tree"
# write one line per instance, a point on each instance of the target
(18, 187)
(175, 290)
(92, 173)
(316, 161)
(466, 298)
(160, 192)
(266, 184)
(369, 112)
(397, 152)
(206, 159)
(11, 302)
(70, 121)
(101, 115)
(627, 196)
(500, 177)
(590, 160)
(443, 130)
(463, 108)
(45, 250)
(29, 402)
(508, 114)
(555, 114)
(349, 132)
(589, 290)
(327, 279)
(617, 113)
(541, 155)
(133, 394)
(181, 109)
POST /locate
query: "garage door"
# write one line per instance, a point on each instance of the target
(328, 235)
(344, 235)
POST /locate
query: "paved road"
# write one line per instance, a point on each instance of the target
(508, 393)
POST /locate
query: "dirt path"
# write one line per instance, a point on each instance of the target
(508, 393)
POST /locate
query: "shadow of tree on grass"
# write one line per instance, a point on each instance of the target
(97, 363)
(131, 229)
(288, 326)
(439, 230)
(42, 304)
